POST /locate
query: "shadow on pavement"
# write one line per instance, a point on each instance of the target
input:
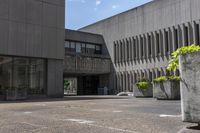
(66, 98)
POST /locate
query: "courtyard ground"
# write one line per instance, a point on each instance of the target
(93, 114)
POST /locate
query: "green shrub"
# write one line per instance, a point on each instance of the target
(143, 85)
(174, 62)
(164, 78)
(160, 79)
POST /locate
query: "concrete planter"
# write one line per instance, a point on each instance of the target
(143, 93)
(166, 90)
(190, 87)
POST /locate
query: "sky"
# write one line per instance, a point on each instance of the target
(80, 13)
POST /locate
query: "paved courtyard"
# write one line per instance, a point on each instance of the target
(93, 114)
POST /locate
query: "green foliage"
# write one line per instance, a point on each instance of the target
(174, 78)
(160, 79)
(164, 78)
(174, 62)
(143, 85)
(66, 84)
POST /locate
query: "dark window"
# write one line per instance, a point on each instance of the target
(78, 47)
(90, 49)
(149, 44)
(98, 49)
(166, 41)
(176, 39)
(186, 36)
(197, 36)
(83, 48)
(72, 47)
(141, 48)
(67, 46)
(158, 42)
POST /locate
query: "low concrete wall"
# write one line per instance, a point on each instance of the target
(190, 87)
(166, 90)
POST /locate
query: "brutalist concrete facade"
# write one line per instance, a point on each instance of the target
(141, 40)
(80, 64)
(35, 29)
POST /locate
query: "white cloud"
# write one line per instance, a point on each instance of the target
(98, 2)
(114, 6)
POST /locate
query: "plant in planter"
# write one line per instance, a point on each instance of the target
(187, 59)
(143, 88)
(166, 88)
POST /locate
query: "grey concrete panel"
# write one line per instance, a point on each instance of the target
(60, 18)
(4, 9)
(60, 43)
(34, 12)
(17, 38)
(55, 78)
(34, 40)
(17, 10)
(49, 42)
(4, 25)
(49, 15)
(51, 74)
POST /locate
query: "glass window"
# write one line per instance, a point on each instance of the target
(90, 49)
(78, 47)
(67, 46)
(83, 48)
(72, 46)
(22, 75)
(98, 49)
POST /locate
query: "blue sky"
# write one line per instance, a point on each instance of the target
(80, 13)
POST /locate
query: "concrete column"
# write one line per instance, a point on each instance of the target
(173, 39)
(190, 34)
(121, 52)
(118, 54)
(161, 43)
(194, 27)
(114, 48)
(140, 47)
(180, 34)
(132, 49)
(152, 45)
(148, 46)
(120, 82)
(125, 50)
(165, 42)
(55, 78)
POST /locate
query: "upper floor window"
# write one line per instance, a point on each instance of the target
(78, 47)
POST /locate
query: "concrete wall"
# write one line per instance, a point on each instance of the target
(86, 65)
(160, 26)
(32, 28)
(55, 78)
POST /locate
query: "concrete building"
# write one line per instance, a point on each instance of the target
(86, 64)
(31, 47)
(141, 40)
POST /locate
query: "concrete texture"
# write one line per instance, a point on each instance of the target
(190, 87)
(92, 114)
(166, 90)
(140, 40)
(32, 28)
